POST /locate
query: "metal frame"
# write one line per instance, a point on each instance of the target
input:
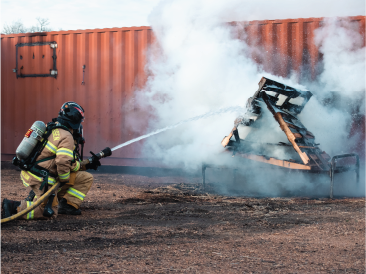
(333, 169)
(54, 57)
(235, 170)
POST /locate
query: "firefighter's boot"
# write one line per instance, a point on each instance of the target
(65, 208)
(9, 208)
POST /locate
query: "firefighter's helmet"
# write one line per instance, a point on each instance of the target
(71, 114)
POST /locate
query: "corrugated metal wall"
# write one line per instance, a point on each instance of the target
(114, 62)
(284, 45)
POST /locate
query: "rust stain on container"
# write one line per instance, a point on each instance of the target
(114, 61)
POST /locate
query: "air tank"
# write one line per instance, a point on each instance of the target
(30, 140)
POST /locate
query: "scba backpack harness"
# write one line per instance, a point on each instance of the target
(29, 163)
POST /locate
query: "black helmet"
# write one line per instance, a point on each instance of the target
(71, 114)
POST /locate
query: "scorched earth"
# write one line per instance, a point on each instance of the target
(168, 224)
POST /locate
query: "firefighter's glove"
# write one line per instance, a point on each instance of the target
(94, 164)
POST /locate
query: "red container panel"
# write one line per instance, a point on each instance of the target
(285, 45)
(114, 61)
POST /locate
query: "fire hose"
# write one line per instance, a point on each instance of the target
(95, 158)
(33, 206)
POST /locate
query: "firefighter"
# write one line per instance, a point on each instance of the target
(63, 167)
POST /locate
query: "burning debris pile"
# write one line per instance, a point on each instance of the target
(284, 103)
(294, 147)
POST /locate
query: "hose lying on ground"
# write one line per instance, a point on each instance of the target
(33, 206)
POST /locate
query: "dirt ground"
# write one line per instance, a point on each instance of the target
(142, 224)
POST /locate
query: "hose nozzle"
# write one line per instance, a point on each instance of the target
(104, 153)
(94, 160)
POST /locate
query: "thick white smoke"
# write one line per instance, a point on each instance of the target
(198, 66)
(343, 76)
(343, 51)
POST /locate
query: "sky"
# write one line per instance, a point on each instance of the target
(79, 14)
(90, 14)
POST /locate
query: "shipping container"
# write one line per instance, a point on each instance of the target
(285, 45)
(102, 68)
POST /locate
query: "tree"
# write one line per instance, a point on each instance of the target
(15, 27)
(41, 26)
(18, 26)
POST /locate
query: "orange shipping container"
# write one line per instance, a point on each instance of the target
(100, 69)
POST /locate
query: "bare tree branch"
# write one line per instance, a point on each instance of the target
(15, 27)
(42, 24)
(18, 26)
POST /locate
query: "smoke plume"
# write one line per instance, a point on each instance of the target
(198, 66)
(343, 78)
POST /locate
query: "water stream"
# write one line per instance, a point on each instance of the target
(206, 115)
